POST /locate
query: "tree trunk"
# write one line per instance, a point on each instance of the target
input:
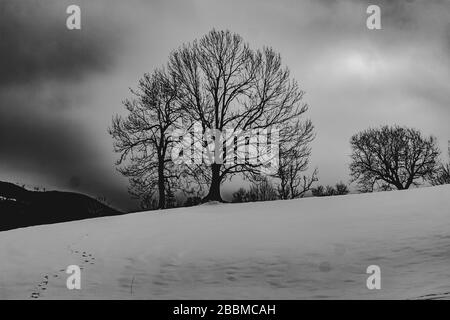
(161, 186)
(214, 188)
(399, 186)
(409, 182)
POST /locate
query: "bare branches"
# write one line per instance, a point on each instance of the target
(223, 84)
(396, 156)
(441, 176)
(220, 84)
(142, 137)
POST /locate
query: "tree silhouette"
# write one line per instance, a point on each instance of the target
(223, 84)
(441, 176)
(397, 156)
(294, 159)
(341, 189)
(143, 140)
(262, 190)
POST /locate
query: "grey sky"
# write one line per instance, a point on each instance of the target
(60, 88)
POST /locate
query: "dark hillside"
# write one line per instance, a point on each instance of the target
(22, 208)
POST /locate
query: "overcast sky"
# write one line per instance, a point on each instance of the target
(59, 89)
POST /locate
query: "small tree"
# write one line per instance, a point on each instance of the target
(441, 176)
(329, 191)
(341, 189)
(293, 162)
(240, 196)
(192, 201)
(318, 191)
(143, 140)
(397, 156)
(262, 190)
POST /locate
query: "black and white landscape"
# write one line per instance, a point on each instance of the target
(224, 149)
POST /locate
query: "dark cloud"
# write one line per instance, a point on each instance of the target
(74, 182)
(36, 45)
(29, 141)
(43, 71)
(60, 153)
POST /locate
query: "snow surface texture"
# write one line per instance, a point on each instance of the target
(314, 248)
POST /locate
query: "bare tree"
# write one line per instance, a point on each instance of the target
(262, 189)
(293, 161)
(341, 189)
(441, 176)
(241, 195)
(318, 191)
(397, 156)
(225, 85)
(143, 139)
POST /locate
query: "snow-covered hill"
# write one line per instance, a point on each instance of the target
(307, 248)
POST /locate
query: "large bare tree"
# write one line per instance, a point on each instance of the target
(143, 139)
(225, 85)
(393, 156)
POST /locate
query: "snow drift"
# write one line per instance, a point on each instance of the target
(299, 249)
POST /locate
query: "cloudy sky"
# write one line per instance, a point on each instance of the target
(59, 88)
